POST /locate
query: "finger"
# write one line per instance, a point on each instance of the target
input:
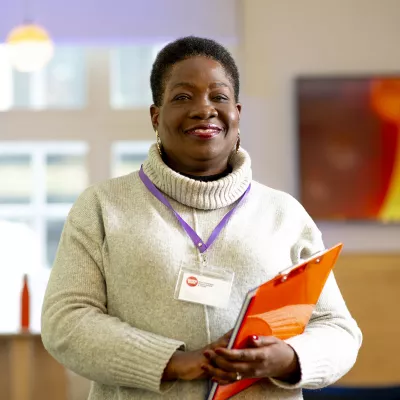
(226, 338)
(223, 341)
(243, 355)
(263, 341)
(228, 334)
(218, 374)
(229, 366)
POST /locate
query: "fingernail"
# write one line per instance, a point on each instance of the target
(255, 338)
(203, 367)
(218, 351)
(207, 355)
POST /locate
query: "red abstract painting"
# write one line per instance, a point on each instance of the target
(349, 147)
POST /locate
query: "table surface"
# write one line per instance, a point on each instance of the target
(19, 335)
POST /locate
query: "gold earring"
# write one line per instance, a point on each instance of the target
(238, 142)
(158, 140)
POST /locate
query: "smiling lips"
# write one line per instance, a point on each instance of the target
(204, 131)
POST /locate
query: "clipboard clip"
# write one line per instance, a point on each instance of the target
(292, 272)
(288, 274)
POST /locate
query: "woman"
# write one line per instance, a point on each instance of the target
(110, 312)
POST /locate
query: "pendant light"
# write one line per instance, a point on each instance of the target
(29, 46)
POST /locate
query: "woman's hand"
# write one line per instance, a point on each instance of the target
(267, 357)
(187, 366)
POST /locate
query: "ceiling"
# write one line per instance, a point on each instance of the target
(100, 22)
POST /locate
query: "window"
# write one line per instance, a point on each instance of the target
(128, 156)
(60, 85)
(38, 184)
(39, 181)
(16, 178)
(130, 75)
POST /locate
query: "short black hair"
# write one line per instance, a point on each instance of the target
(184, 48)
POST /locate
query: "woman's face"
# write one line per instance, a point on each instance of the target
(198, 120)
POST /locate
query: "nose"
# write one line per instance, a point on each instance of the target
(203, 110)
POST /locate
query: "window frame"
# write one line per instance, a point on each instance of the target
(38, 211)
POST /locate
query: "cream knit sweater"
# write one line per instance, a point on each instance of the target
(109, 312)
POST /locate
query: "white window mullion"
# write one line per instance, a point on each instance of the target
(39, 199)
(38, 92)
(98, 79)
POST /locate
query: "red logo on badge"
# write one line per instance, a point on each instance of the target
(192, 281)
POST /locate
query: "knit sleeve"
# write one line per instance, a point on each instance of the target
(328, 348)
(76, 328)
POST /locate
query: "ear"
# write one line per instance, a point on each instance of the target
(154, 114)
(239, 109)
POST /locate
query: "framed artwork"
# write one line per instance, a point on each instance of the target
(348, 131)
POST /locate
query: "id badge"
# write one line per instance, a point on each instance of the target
(210, 286)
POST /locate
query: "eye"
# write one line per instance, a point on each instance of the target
(181, 97)
(220, 97)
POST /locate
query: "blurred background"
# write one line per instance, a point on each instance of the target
(320, 87)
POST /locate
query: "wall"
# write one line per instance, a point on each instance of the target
(285, 38)
(372, 295)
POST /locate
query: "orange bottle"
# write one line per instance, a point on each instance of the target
(25, 311)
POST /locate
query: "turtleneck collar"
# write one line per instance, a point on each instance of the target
(209, 178)
(197, 194)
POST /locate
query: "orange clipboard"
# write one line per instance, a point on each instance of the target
(281, 307)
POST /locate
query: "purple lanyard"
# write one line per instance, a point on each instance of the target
(198, 242)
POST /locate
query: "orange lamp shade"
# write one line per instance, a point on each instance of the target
(30, 47)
